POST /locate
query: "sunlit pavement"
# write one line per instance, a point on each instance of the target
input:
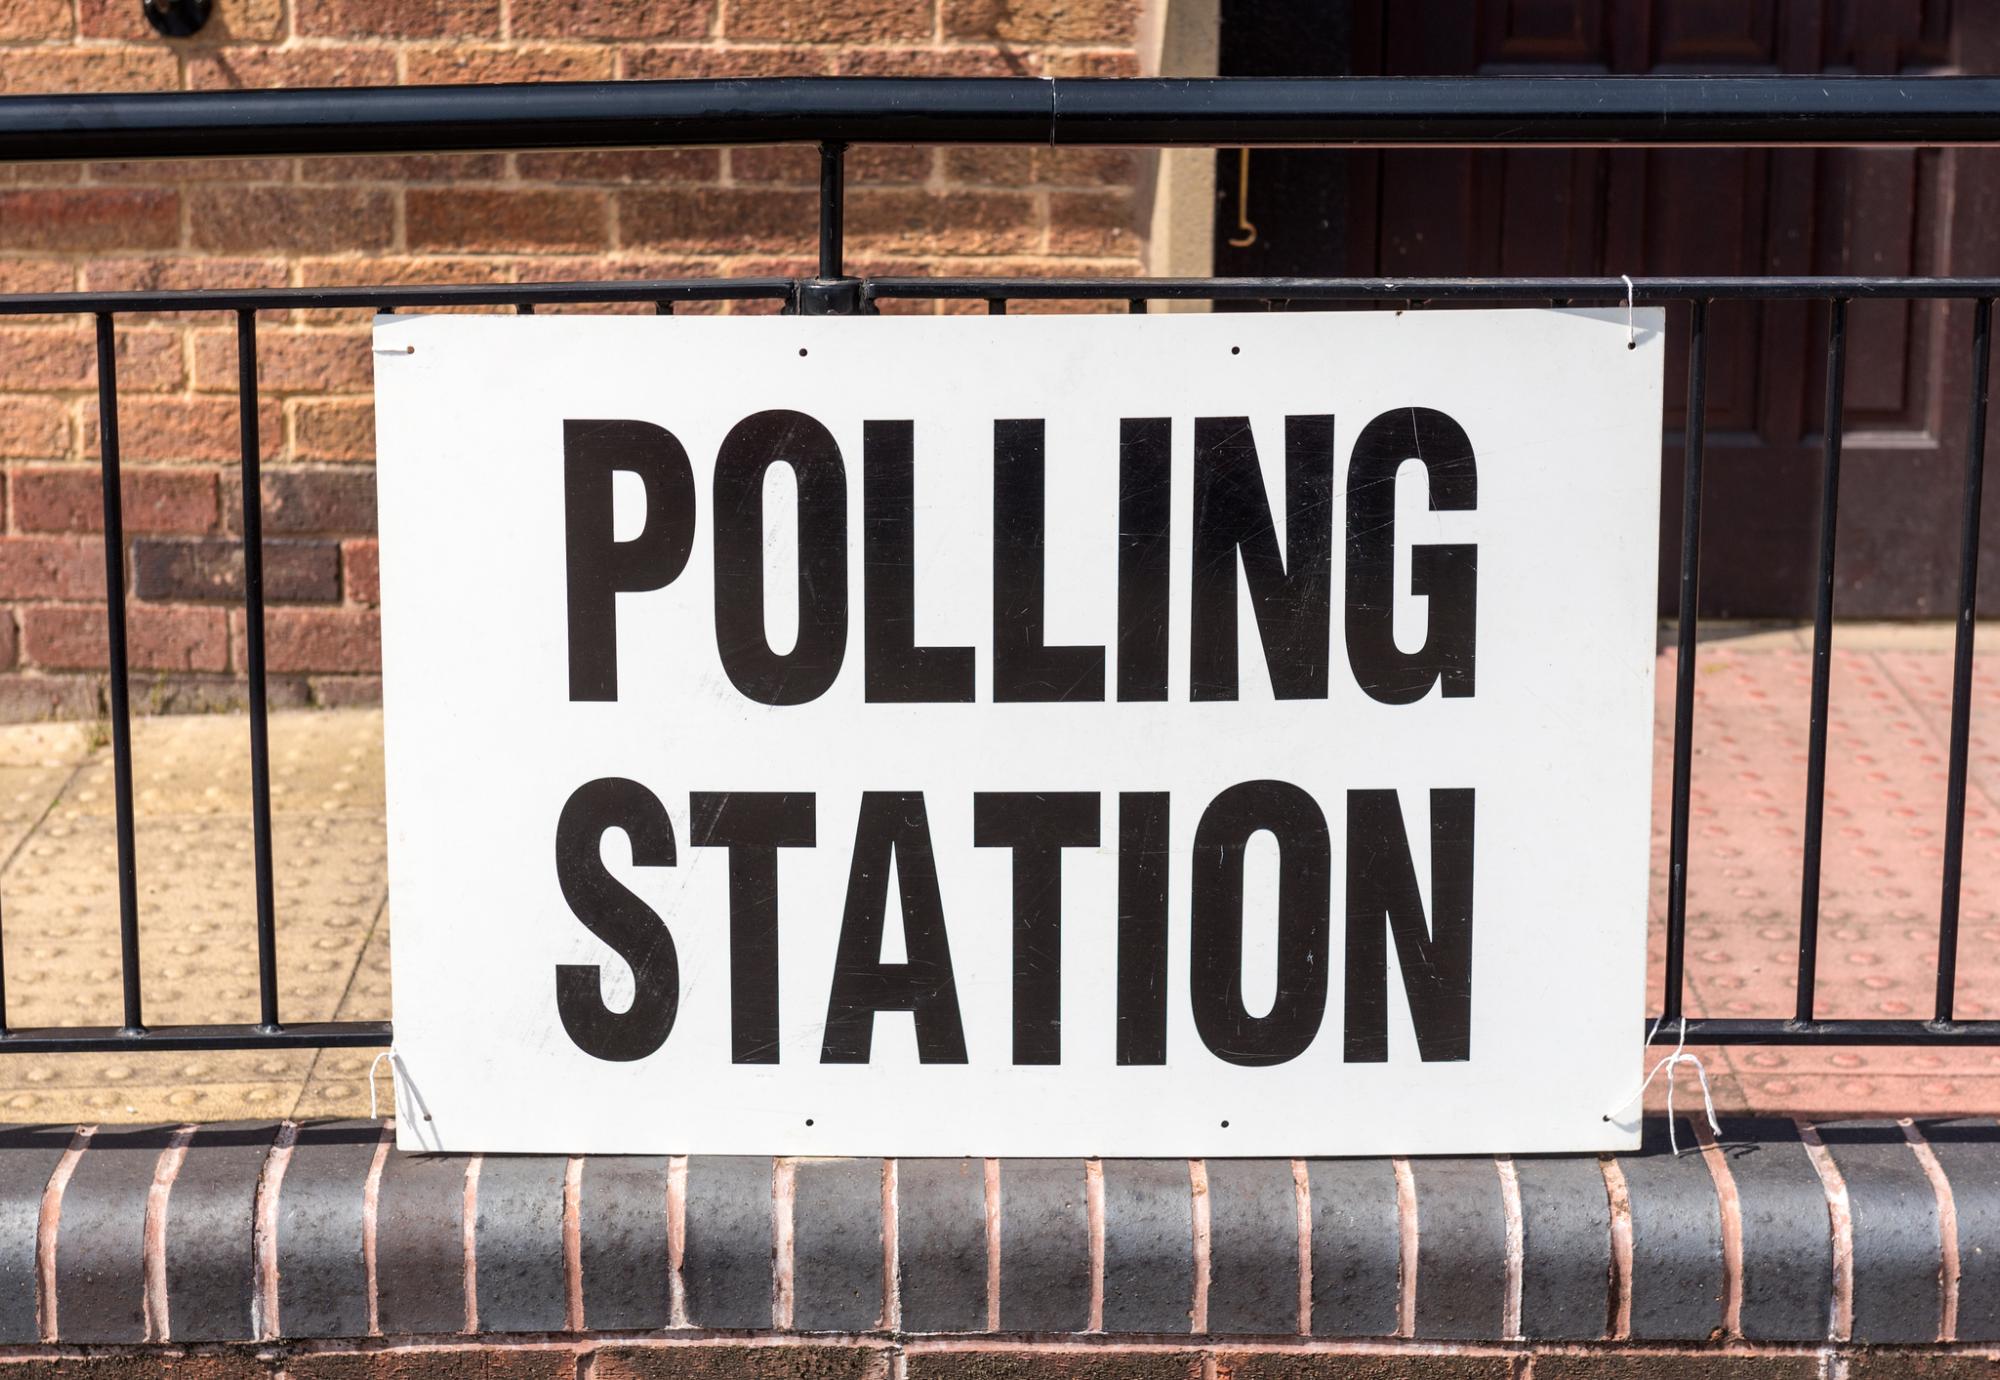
(1886, 770)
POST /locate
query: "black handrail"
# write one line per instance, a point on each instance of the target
(1203, 112)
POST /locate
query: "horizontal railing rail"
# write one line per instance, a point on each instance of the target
(835, 112)
(1151, 112)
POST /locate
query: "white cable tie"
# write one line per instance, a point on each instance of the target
(1631, 331)
(375, 1064)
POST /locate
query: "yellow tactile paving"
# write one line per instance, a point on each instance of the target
(191, 785)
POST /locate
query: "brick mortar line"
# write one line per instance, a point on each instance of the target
(1840, 1218)
(153, 1235)
(265, 1322)
(990, 1184)
(1947, 1210)
(1618, 1322)
(1406, 1248)
(572, 1242)
(1729, 1206)
(371, 1203)
(892, 1282)
(47, 1224)
(1302, 1208)
(469, 1236)
(677, 1178)
(784, 1193)
(1093, 1212)
(1200, 1221)
(1516, 1229)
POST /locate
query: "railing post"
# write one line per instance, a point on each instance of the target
(832, 292)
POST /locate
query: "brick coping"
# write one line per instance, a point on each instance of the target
(1866, 1233)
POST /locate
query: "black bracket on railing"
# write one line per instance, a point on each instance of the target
(832, 292)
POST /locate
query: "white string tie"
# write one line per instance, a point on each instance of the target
(375, 1064)
(1631, 331)
(1670, 1063)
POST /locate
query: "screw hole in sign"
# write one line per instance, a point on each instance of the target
(1225, 1126)
(802, 352)
(809, 1121)
(1235, 349)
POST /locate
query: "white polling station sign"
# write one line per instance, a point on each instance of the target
(1074, 735)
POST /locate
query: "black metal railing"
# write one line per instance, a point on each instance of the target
(835, 112)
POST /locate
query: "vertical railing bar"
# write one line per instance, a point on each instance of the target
(524, 309)
(996, 306)
(1822, 654)
(1136, 306)
(1690, 587)
(832, 208)
(663, 307)
(121, 709)
(253, 660)
(1961, 671)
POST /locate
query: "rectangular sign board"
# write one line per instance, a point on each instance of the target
(1184, 735)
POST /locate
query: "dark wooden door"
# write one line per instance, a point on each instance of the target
(1711, 211)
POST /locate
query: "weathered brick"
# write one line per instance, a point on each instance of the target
(470, 219)
(341, 692)
(100, 1273)
(1409, 1365)
(687, 60)
(1683, 1365)
(1093, 223)
(293, 219)
(895, 221)
(167, 171)
(70, 498)
(1253, 1247)
(958, 61)
(1044, 1246)
(623, 1251)
(210, 1264)
(478, 1361)
(33, 428)
(941, 1244)
(611, 18)
(182, 275)
(1094, 1363)
(297, 502)
(405, 167)
(319, 65)
(322, 1277)
(156, 639)
(1968, 1151)
(463, 65)
(1461, 1248)
(294, 571)
(808, 21)
(148, 1364)
(1043, 21)
(1148, 1246)
(65, 360)
(287, 362)
(51, 568)
(90, 219)
(644, 166)
(723, 1361)
(26, 19)
(1077, 62)
(519, 1229)
(399, 18)
(756, 218)
(37, 275)
(47, 71)
(37, 695)
(837, 1245)
(420, 1244)
(1897, 1251)
(174, 429)
(361, 570)
(334, 430)
(1676, 1239)
(310, 639)
(726, 1263)
(1565, 1246)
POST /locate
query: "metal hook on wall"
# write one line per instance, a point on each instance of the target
(1248, 236)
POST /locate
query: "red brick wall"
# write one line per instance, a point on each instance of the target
(457, 219)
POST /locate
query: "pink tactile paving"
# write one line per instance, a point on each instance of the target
(1881, 873)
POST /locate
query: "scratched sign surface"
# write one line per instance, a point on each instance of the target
(1153, 735)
